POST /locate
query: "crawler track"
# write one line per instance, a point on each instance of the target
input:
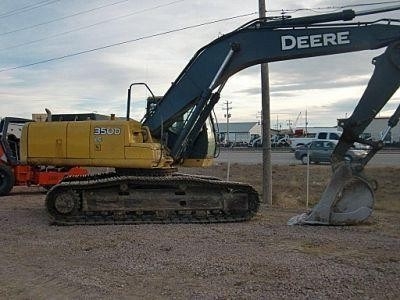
(176, 198)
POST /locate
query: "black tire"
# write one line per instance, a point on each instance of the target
(7, 180)
(304, 159)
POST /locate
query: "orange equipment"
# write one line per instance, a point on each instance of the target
(13, 173)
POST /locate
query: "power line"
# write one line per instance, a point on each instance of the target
(332, 8)
(162, 33)
(91, 25)
(63, 18)
(126, 42)
(369, 4)
(282, 11)
(27, 8)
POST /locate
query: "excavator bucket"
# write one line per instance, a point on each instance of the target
(348, 199)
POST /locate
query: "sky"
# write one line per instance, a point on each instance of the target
(33, 31)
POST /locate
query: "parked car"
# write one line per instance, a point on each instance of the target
(321, 151)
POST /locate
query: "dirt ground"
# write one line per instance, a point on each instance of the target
(260, 259)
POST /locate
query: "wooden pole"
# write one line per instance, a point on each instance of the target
(266, 124)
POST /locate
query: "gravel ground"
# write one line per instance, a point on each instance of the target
(260, 259)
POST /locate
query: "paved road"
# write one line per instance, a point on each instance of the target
(386, 158)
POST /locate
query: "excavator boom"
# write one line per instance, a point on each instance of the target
(256, 42)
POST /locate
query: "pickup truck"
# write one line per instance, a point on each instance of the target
(323, 135)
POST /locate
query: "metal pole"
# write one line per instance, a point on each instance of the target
(308, 177)
(266, 124)
(306, 125)
(228, 170)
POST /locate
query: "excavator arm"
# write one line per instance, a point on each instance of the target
(384, 82)
(349, 196)
(197, 88)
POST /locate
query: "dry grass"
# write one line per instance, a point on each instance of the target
(289, 183)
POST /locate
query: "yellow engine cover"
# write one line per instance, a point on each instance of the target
(109, 143)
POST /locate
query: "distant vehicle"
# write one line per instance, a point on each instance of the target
(321, 151)
(257, 142)
(323, 135)
(280, 140)
(231, 144)
(277, 140)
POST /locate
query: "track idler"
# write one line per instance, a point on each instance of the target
(347, 200)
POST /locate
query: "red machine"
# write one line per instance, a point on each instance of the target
(13, 173)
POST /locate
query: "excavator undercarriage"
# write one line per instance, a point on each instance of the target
(177, 198)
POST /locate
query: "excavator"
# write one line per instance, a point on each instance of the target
(178, 130)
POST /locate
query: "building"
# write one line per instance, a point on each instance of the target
(239, 132)
(377, 126)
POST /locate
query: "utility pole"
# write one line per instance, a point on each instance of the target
(266, 124)
(227, 115)
(306, 124)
